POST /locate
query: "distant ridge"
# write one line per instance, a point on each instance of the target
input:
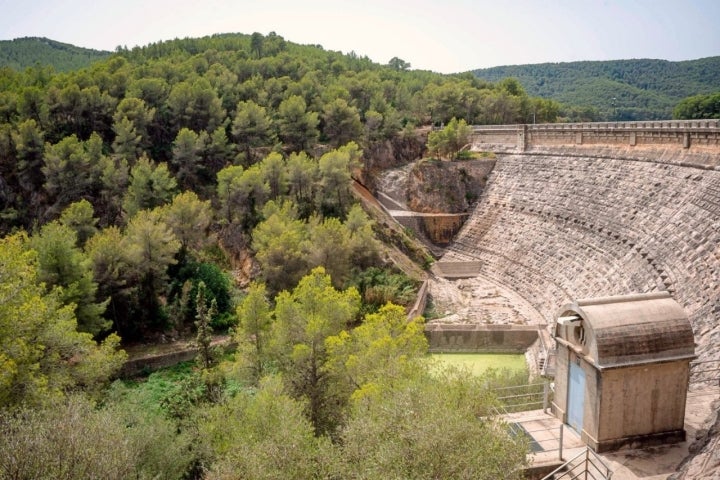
(640, 89)
(21, 53)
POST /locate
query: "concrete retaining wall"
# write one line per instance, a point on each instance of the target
(481, 338)
(149, 363)
(141, 366)
(418, 308)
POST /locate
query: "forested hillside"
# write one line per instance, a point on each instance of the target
(204, 184)
(237, 97)
(26, 52)
(618, 89)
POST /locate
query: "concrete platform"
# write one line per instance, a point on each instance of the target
(545, 431)
(653, 463)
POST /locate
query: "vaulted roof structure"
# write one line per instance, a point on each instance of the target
(627, 330)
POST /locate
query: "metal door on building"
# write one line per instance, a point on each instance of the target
(576, 397)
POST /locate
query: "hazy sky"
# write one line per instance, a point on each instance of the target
(442, 35)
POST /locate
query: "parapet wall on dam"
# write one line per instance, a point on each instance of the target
(677, 134)
(559, 221)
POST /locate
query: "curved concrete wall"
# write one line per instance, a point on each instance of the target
(559, 223)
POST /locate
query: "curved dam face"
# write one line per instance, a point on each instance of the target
(567, 219)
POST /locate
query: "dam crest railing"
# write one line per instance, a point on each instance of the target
(708, 125)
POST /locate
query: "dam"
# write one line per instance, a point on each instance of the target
(577, 211)
(589, 210)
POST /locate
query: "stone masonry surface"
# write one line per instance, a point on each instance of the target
(554, 227)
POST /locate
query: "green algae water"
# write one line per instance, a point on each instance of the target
(477, 363)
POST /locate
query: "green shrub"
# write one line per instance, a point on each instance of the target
(74, 439)
(465, 155)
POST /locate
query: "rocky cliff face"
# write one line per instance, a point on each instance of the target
(704, 460)
(390, 154)
(432, 198)
(446, 187)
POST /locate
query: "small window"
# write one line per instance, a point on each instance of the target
(580, 334)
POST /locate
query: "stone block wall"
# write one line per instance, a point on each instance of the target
(497, 137)
(144, 365)
(474, 338)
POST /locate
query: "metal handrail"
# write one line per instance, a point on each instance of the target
(527, 400)
(563, 466)
(570, 473)
(631, 125)
(520, 386)
(531, 394)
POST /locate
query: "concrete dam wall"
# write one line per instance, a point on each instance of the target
(563, 219)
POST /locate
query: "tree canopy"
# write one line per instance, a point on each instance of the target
(446, 143)
(22, 53)
(129, 131)
(698, 107)
(41, 352)
(355, 400)
(639, 89)
(154, 186)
